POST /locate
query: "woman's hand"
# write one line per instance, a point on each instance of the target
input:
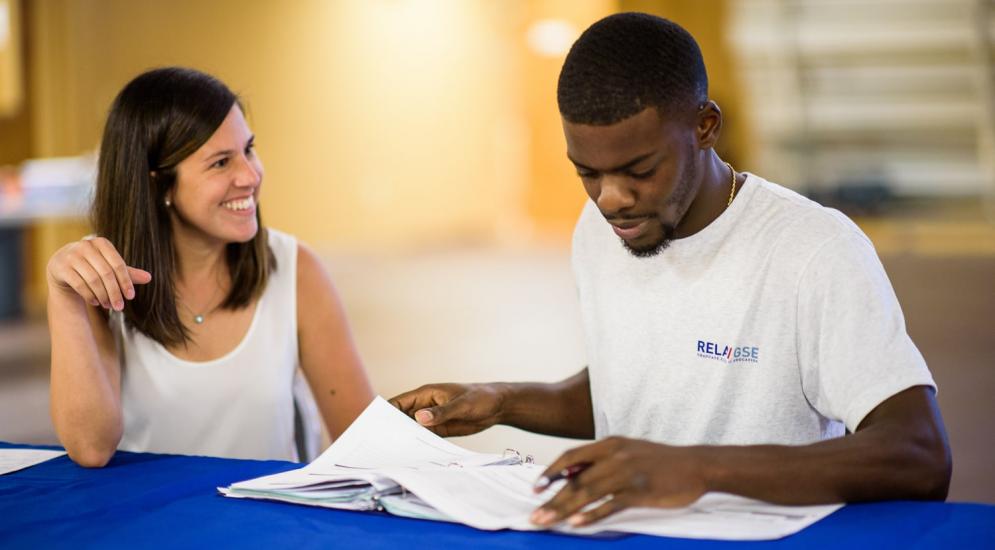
(93, 269)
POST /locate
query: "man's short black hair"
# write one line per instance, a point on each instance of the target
(627, 62)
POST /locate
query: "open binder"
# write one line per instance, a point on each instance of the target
(386, 461)
(362, 469)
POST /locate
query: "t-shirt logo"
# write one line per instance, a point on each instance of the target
(728, 354)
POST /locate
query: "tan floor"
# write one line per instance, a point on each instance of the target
(479, 315)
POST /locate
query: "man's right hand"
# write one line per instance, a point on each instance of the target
(454, 409)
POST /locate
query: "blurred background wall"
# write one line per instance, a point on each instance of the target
(416, 144)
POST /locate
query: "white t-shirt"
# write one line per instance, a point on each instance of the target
(240, 405)
(774, 324)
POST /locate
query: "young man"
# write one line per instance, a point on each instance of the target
(736, 331)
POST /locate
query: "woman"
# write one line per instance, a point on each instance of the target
(179, 326)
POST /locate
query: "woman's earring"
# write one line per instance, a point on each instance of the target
(168, 202)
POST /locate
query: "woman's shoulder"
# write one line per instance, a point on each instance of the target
(290, 251)
(310, 268)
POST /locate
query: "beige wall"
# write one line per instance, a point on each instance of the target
(14, 122)
(707, 21)
(11, 96)
(554, 195)
(381, 123)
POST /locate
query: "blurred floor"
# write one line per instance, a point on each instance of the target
(476, 315)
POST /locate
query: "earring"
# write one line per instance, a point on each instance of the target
(168, 202)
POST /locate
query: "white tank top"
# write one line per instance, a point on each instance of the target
(240, 405)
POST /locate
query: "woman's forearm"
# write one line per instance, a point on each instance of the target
(85, 382)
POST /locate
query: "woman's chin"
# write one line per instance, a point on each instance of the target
(241, 234)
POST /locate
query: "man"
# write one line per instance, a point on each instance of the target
(735, 330)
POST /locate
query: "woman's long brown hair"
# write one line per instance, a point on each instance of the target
(160, 118)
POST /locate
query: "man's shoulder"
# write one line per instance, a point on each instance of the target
(787, 218)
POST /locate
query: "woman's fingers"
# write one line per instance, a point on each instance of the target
(106, 277)
(92, 280)
(95, 270)
(75, 282)
(139, 276)
(118, 268)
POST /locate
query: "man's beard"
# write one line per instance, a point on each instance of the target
(655, 248)
(678, 197)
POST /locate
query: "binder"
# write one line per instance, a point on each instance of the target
(362, 490)
(355, 472)
(386, 462)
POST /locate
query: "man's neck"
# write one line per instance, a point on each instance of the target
(711, 200)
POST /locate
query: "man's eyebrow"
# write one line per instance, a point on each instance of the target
(620, 168)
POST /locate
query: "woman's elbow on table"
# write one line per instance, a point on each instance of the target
(91, 456)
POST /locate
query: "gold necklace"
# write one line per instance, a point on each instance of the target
(732, 191)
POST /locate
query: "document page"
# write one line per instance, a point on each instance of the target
(501, 497)
(381, 438)
(384, 437)
(12, 460)
(495, 497)
(722, 517)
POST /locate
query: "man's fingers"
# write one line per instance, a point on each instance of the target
(590, 453)
(594, 484)
(457, 409)
(609, 507)
(433, 405)
(411, 401)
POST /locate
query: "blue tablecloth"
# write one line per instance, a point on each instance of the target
(148, 501)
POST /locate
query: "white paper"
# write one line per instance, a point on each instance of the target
(720, 516)
(386, 450)
(501, 497)
(12, 460)
(381, 438)
(384, 437)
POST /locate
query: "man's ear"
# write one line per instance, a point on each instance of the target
(709, 125)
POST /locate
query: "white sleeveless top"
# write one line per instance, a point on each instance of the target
(240, 405)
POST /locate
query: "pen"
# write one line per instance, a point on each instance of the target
(569, 472)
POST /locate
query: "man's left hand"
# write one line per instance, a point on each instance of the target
(622, 473)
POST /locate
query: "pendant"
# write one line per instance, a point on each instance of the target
(199, 319)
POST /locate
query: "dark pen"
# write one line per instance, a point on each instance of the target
(566, 473)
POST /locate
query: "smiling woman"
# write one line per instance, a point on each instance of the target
(174, 148)
(179, 327)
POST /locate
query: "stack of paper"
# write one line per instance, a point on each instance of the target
(387, 461)
(12, 460)
(356, 472)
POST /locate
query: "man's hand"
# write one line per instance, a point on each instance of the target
(453, 409)
(621, 473)
(560, 408)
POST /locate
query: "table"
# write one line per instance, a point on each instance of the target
(143, 500)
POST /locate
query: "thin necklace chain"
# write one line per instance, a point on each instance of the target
(199, 318)
(732, 190)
